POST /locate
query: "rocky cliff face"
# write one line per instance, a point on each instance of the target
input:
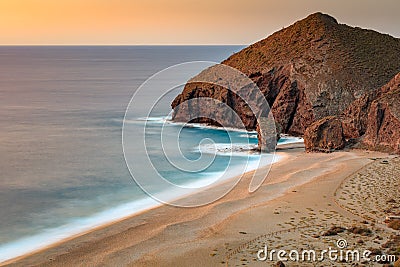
(313, 69)
(373, 121)
(383, 121)
(355, 117)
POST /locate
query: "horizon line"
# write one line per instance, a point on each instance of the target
(2, 45)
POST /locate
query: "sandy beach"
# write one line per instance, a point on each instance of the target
(305, 195)
(207, 133)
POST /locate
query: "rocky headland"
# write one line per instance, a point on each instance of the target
(312, 71)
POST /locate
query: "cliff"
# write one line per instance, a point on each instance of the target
(310, 70)
(383, 120)
(372, 121)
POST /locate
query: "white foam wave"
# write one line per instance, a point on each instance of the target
(77, 226)
(227, 149)
(249, 135)
(286, 139)
(74, 227)
(168, 119)
(207, 179)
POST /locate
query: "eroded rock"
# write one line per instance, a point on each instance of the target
(325, 135)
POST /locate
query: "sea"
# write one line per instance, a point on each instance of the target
(63, 169)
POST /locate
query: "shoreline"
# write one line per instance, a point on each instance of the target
(120, 219)
(239, 199)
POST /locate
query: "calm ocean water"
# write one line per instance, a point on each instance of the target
(62, 169)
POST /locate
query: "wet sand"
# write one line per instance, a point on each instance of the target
(300, 200)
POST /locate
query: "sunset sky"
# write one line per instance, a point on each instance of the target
(176, 21)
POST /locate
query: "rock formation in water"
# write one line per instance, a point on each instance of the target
(310, 70)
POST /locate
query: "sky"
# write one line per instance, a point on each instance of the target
(176, 22)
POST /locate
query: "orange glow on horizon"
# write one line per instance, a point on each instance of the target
(174, 21)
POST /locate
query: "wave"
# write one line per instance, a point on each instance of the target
(228, 149)
(249, 135)
(286, 139)
(78, 226)
(75, 227)
(212, 127)
(168, 119)
(208, 178)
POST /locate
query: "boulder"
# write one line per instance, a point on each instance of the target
(325, 135)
